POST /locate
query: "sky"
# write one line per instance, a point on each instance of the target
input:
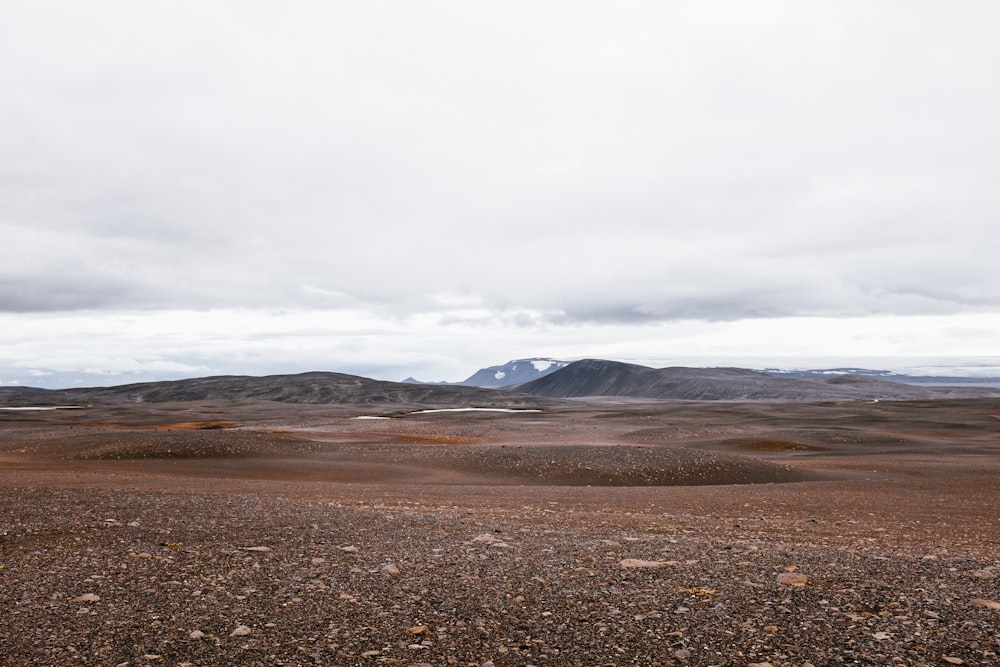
(394, 188)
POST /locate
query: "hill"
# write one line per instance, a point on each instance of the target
(597, 377)
(314, 388)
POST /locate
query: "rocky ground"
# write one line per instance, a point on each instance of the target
(870, 537)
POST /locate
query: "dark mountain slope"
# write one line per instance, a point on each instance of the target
(315, 387)
(595, 377)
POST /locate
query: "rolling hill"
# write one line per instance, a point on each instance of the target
(598, 377)
(309, 388)
(580, 379)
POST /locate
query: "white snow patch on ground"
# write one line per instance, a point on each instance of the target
(47, 407)
(422, 412)
(499, 375)
(369, 417)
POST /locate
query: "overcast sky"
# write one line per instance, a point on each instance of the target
(425, 188)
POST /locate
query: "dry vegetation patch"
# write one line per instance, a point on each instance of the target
(773, 445)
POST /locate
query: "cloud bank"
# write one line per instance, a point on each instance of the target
(558, 167)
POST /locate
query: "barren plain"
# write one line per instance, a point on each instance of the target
(584, 533)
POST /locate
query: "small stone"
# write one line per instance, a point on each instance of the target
(317, 561)
(351, 549)
(760, 664)
(989, 604)
(951, 660)
(419, 630)
(682, 654)
(263, 549)
(639, 563)
(391, 569)
(792, 579)
(770, 629)
(87, 597)
(240, 631)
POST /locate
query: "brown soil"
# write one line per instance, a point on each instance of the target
(595, 534)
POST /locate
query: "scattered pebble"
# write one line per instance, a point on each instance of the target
(792, 579)
(989, 604)
(638, 563)
(240, 631)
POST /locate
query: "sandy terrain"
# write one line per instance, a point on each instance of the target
(589, 534)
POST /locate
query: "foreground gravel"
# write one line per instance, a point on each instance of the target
(145, 576)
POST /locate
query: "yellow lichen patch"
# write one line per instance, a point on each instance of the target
(701, 592)
(176, 426)
(194, 426)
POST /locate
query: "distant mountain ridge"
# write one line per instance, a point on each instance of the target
(310, 388)
(893, 376)
(512, 373)
(601, 378)
(552, 383)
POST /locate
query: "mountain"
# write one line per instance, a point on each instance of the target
(512, 373)
(950, 380)
(315, 388)
(597, 377)
(586, 378)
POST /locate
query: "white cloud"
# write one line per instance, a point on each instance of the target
(133, 346)
(561, 168)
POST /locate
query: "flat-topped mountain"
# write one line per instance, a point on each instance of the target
(517, 371)
(314, 387)
(514, 372)
(598, 377)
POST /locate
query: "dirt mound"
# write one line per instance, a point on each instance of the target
(185, 443)
(620, 465)
(409, 460)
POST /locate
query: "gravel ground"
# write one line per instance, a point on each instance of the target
(143, 576)
(272, 535)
